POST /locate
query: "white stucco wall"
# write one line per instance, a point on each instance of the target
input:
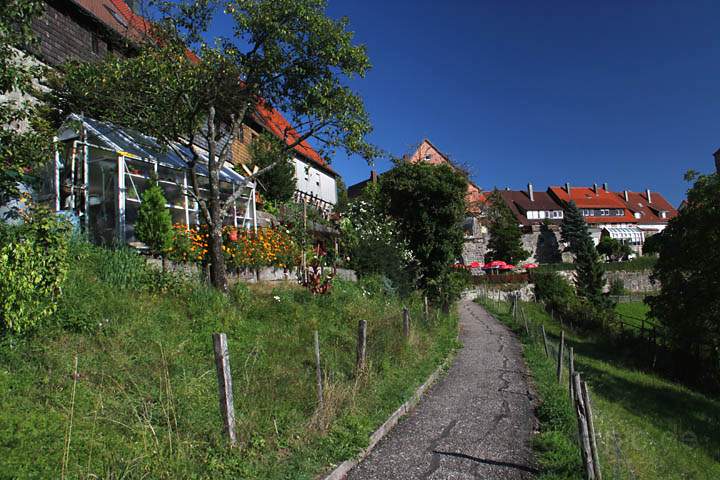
(314, 181)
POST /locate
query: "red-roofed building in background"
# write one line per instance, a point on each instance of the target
(650, 209)
(88, 30)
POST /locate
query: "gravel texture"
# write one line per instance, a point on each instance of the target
(475, 423)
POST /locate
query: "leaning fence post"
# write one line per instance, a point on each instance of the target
(406, 322)
(591, 431)
(222, 364)
(427, 310)
(585, 449)
(560, 355)
(542, 328)
(318, 370)
(571, 372)
(361, 345)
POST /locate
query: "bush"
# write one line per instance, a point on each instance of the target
(446, 289)
(33, 267)
(617, 286)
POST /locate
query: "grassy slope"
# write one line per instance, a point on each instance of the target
(632, 310)
(649, 428)
(146, 399)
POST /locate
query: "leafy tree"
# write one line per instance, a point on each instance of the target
(428, 204)
(573, 230)
(277, 184)
(653, 244)
(283, 54)
(154, 223)
(24, 133)
(613, 248)
(505, 235)
(689, 301)
(342, 196)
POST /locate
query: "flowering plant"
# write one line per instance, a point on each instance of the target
(243, 248)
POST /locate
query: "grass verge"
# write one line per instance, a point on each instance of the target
(144, 403)
(648, 427)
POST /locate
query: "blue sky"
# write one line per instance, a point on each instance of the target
(617, 91)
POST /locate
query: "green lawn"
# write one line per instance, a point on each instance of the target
(632, 310)
(649, 427)
(145, 401)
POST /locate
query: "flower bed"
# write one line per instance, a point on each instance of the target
(268, 247)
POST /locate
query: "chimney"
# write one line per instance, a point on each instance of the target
(595, 188)
(567, 188)
(605, 186)
(627, 197)
(373, 176)
(531, 193)
(717, 160)
(648, 196)
(507, 189)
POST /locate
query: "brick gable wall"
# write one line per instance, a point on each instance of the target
(64, 33)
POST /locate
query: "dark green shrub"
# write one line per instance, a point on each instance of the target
(446, 289)
(617, 286)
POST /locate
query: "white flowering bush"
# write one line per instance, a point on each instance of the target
(371, 240)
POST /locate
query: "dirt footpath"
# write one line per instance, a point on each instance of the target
(476, 422)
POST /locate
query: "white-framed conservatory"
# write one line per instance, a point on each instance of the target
(101, 171)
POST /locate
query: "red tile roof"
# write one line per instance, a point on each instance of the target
(586, 197)
(649, 212)
(278, 125)
(137, 28)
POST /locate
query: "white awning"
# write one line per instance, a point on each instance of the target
(631, 234)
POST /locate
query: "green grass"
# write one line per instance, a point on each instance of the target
(633, 310)
(649, 427)
(145, 403)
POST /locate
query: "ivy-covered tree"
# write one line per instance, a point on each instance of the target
(277, 184)
(573, 230)
(505, 235)
(154, 223)
(282, 54)
(687, 269)
(25, 134)
(428, 204)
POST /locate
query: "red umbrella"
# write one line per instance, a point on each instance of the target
(474, 264)
(494, 264)
(507, 266)
(528, 266)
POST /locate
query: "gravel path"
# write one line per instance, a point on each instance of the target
(475, 423)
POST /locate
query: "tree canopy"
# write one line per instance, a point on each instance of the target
(286, 55)
(574, 230)
(687, 269)
(505, 235)
(277, 184)
(24, 132)
(428, 203)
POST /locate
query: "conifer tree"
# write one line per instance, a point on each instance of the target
(574, 230)
(154, 224)
(589, 271)
(505, 235)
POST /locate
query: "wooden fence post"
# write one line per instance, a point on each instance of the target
(560, 356)
(361, 345)
(571, 372)
(525, 320)
(406, 322)
(222, 365)
(318, 370)
(591, 431)
(547, 353)
(427, 310)
(585, 449)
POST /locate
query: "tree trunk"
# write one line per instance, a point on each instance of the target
(218, 274)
